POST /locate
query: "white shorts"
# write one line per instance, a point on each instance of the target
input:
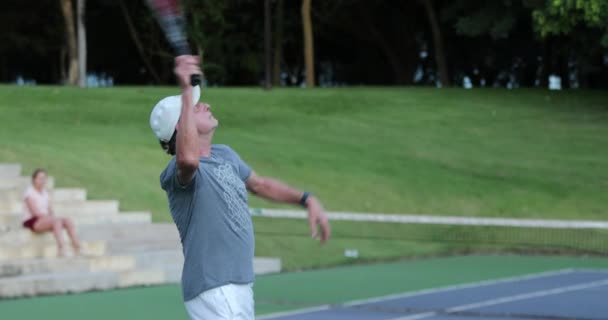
(230, 302)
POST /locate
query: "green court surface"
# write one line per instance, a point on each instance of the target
(296, 290)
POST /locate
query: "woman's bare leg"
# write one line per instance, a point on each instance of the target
(48, 223)
(69, 226)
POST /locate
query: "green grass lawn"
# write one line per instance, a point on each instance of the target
(495, 153)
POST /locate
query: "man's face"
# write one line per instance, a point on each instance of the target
(205, 121)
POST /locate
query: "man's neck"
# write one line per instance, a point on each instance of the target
(205, 145)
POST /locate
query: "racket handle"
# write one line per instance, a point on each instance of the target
(195, 80)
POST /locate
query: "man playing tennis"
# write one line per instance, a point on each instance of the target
(206, 186)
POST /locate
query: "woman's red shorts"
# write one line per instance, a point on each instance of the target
(29, 223)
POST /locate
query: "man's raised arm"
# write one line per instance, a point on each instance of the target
(187, 146)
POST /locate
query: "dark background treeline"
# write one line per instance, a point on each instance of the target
(505, 43)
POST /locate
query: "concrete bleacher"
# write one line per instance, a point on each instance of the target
(120, 249)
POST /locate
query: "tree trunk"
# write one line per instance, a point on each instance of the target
(137, 42)
(278, 44)
(82, 45)
(267, 46)
(62, 70)
(564, 71)
(393, 58)
(70, 34)
(309, 57)
(201, 54)
(440, 60)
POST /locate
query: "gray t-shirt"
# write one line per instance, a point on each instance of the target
(212, 216)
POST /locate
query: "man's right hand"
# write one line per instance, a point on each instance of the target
(185, 66)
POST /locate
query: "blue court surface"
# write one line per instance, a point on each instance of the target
(558, 295)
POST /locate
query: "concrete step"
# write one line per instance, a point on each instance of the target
(112, 263)
(56, 283)
(265, 265)
(114, 233)
(17, 267)
(75, 282)
(23, 235)
(169, 261)
(165, 258)
(10, 221)
(126, 246)
(13, 222)
(121, 218)
(141, 277)
(14, 193)
(142, 231)
(68, 194)
(10, 170)
(48, 250)
(11, 201)
(138, 232)
(69, 208)
(21, 183)
(113, 246)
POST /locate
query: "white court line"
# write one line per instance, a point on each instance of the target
(518, 297)
(460, 287)
(294, 312)
(420, 292)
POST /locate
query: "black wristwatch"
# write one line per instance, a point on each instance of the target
(304, 198)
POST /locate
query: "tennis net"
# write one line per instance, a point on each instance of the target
(559, 236)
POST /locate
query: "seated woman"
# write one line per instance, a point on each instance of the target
(39, 213)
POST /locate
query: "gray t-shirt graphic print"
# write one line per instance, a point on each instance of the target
(212, 216)
(234, 192)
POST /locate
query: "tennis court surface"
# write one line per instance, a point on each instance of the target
(469, 287)
(564, 294)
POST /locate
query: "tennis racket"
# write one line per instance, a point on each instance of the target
(170, 16)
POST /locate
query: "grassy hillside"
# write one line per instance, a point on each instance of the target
(521, 153)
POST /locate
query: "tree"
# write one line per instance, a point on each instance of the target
(70, 38)
(561, 17)
(82, 45)
(137, 41)
(267, 46)
(440, 58)
(30, 47)
(496, 19)
(495, 42)
(207, 27)
(309, 56)
(383, 26)
(368, 42)
(578, 29)
(380, 42)
(278, 44)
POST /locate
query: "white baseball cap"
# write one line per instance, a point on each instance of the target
(165, 114)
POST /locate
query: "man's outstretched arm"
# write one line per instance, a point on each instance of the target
(276, 190)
